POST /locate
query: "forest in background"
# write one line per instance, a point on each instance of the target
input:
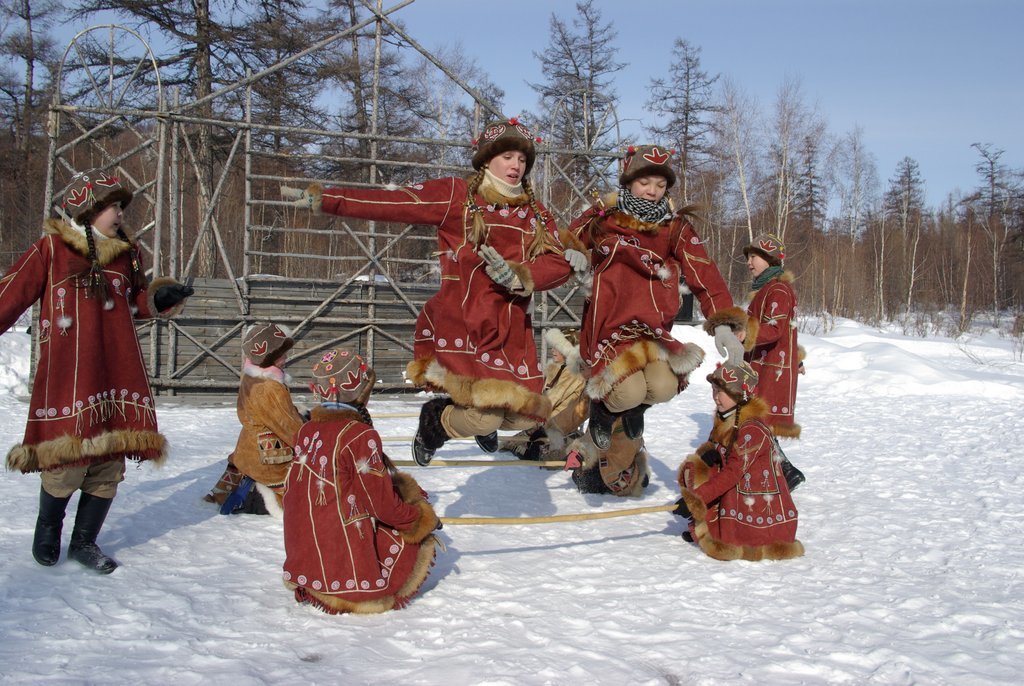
(861, 241)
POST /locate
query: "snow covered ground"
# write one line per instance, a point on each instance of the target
(911, 516)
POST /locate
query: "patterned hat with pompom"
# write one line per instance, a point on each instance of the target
(769, 247)
(647, 160)
(342, 376)
(265, 342)
(501, 136)
(737, 379)
(90, 192)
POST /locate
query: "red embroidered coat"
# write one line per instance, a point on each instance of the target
(741, 509)
(636, 294)
(356, 539)
(474, 339)
(91, 399)
(773, 353)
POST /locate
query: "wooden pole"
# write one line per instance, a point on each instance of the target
(584, 516)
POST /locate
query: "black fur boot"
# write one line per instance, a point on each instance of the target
(794, 477)
(430, 434)
(589, 480)
(488, 443)
(46, 542)
(633, 421)
(600, 424)
(92, 512)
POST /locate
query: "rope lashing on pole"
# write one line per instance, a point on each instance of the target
(583, 516)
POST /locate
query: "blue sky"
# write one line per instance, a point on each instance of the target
(923, 78)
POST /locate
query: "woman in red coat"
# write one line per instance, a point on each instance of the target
(357, 532)
(497, 245)
(733, 487)
(642, 254)
(91, 405)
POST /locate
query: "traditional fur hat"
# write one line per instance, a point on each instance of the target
(566, 342)
(769, 247)
(90, 192)
(736, 378)
(647, 160)
(342, 376)
(500, 136)
(265, 342)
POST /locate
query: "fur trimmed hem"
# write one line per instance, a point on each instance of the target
(636, 357)
(334, 605)
(72, 451)
(465, 391)
(719, 550)
(733, 317)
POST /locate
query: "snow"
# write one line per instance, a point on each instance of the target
(911, 517)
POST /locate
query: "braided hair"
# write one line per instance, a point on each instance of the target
(477, 226)
(92, 278)
(136, 276)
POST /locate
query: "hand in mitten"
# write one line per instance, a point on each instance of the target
(497, 268)
(440, 524)
(170, 295)
(577, 260)
(711, 458)
(727, 344)
(681, 509)
(301, 198)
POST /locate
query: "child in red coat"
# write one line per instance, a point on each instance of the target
(357, 532)
(91, 406)
(733, 487)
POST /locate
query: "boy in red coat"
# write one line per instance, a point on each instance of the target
(91, 405)
(357, 532)
(733, 487)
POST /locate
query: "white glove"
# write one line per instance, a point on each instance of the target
(577, 260)
(301, 198)
(727, 344)
(497, 268)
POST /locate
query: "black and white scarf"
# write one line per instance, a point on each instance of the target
(644, 210)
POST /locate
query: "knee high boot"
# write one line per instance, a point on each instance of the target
(430, 434)
(92, 512)
(46, 542)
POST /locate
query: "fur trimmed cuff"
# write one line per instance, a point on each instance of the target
(698, 510)
(424, 524)
(427, 372)
(569, 241)
(407, 488)
(172, 311)
(733, 317)
(525, 287)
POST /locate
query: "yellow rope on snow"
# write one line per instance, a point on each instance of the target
(484, 463)
(559, 518)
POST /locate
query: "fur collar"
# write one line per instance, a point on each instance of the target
(327, 414)
(493, 196)
(273, 372)
(107, 249)
(721, 432)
